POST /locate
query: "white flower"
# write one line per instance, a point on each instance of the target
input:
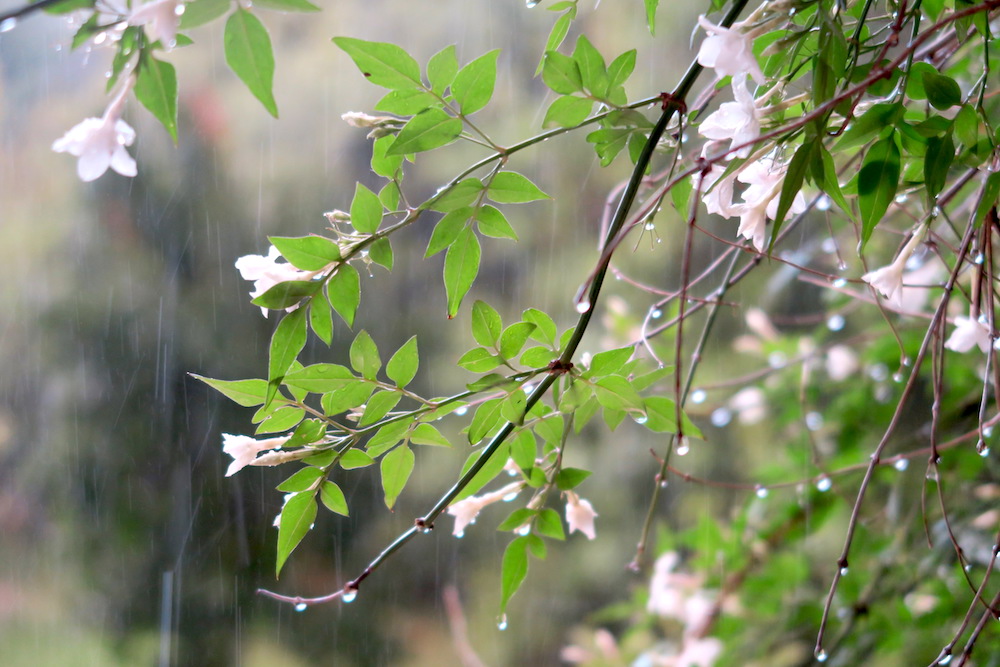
(100, 142)
(728, 50)
(266, 272)
(760, 200)
(737, 122)
(244, 449)
(969, 333)
(580, 515)
(466, 510)
(888, 280)
(841, 362)
(720, 200)
(697, 653)
(160, 18)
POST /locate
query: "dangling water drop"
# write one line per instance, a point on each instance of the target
(302, 606)
(350, 594)
(761, 491)
(979, 259)
(835, 322)
(502, 621)
(649, 226)
(583, 306)
(945, 659)
(664, 483)
(901, 464)
(698, 396)
(641, 419)
(840, 282)
(462, 410)
(656, 314)
(823, 484)
(821, 655)
(8, 24)
(460, 534)
(510, 496)
(843, 571)
(683, 448)
(983, 449)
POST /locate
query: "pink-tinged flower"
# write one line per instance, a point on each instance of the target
(697, 653)
(466, 510)
(969, 333)
(580, 515)
(266, 272)
(750, 405)
(760, 200)
(100, 143)
(729, 51)
(888, 280)
(160, 18)
(720, 200)
(244, 449)
(737, 122)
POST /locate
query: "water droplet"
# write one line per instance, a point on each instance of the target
(462, 410)
(945, 659)
(530, 4)
(510, 496)
(823, 203)
(350, 595)
(901, 199)
(967, 567)
(649, 226)
(777, 359)
(835, 322)
(821, 655)
(460, 534)
(8, 24)
(524, 530)
(664, 483)
(502, 621)
(302, 606)
(179, 10)
(843, 571)
(979, 259)
(721, 417)
(983, 449)
(898, 377)
(814, 421)
(823, 484)
(683, 448)
(932, 474)
(879, 372)
(901, 464)
(640, 419)
(987, 431)
(98, 39)
(840, 282)
(583, 306)
(656, 314)
(698, 396)
(424, 529)
(761, 491)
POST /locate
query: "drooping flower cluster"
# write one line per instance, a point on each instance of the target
(888, 280)
(729, 51)
(970, 332)
(160, 19)
(266, 272)
(580, 515)
(245, 449)
(466, 510)
(100, 143)
(681, 597)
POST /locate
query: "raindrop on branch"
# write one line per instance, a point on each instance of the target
(901, 464)
(698, 396)
(821, 655)
(823, 484)
(302, 606)
(761, 491)
(8, 24)
(350, 594)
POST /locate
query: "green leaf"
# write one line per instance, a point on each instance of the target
(567, 111)
(307, 433)
(824, 174)
(538, 357)
(426, 434)
(545, 327)
(461, 265)
(877, 183)
(200, 12)
(380, 252)
(609, 361)
(473, 86)
(991, 190)
(794, 178)
(570, 478)
(288, 293)
(309, 253)
(320, 378)
(479, 360)
(517, 518)
(561, 73)
(384, 165)
(447, 230)
(621, 69)
(512, 408)
(280, 420)
(486, 417)
(559, 30)
(301, 480)
(355, 458)
(297, 517)
(333, 498)
(288, 340)
(427, 130)
(493, 223)
(937, 162)
(513, 571)
(942, 91)
(242, 392)
(344, 289)
(651, 6)
(524, 449)
(402, 367)
(320, 318)
(442, 68)
(870, 125)
(513, 339)
(615, 392)
(549, 524)
(364, 355)
(366, 210)
(249, 54)
(510, 187)
(486, 324)
(967, 125)
(406, 102)
(156, 88)
(383, 64)
(347, 397)
(490, 382)
(593, 71)
(396, 468)
(378, 406)
(464, 193)
(287, 5)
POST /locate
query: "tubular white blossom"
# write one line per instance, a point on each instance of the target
(580, 515)
(729, 51)
(266, 272)
(969, 333)
(100, 143)
(244, 449)
(888, 280)
(466, 510)
(160, 19)
(738, 121)
(760, 200)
